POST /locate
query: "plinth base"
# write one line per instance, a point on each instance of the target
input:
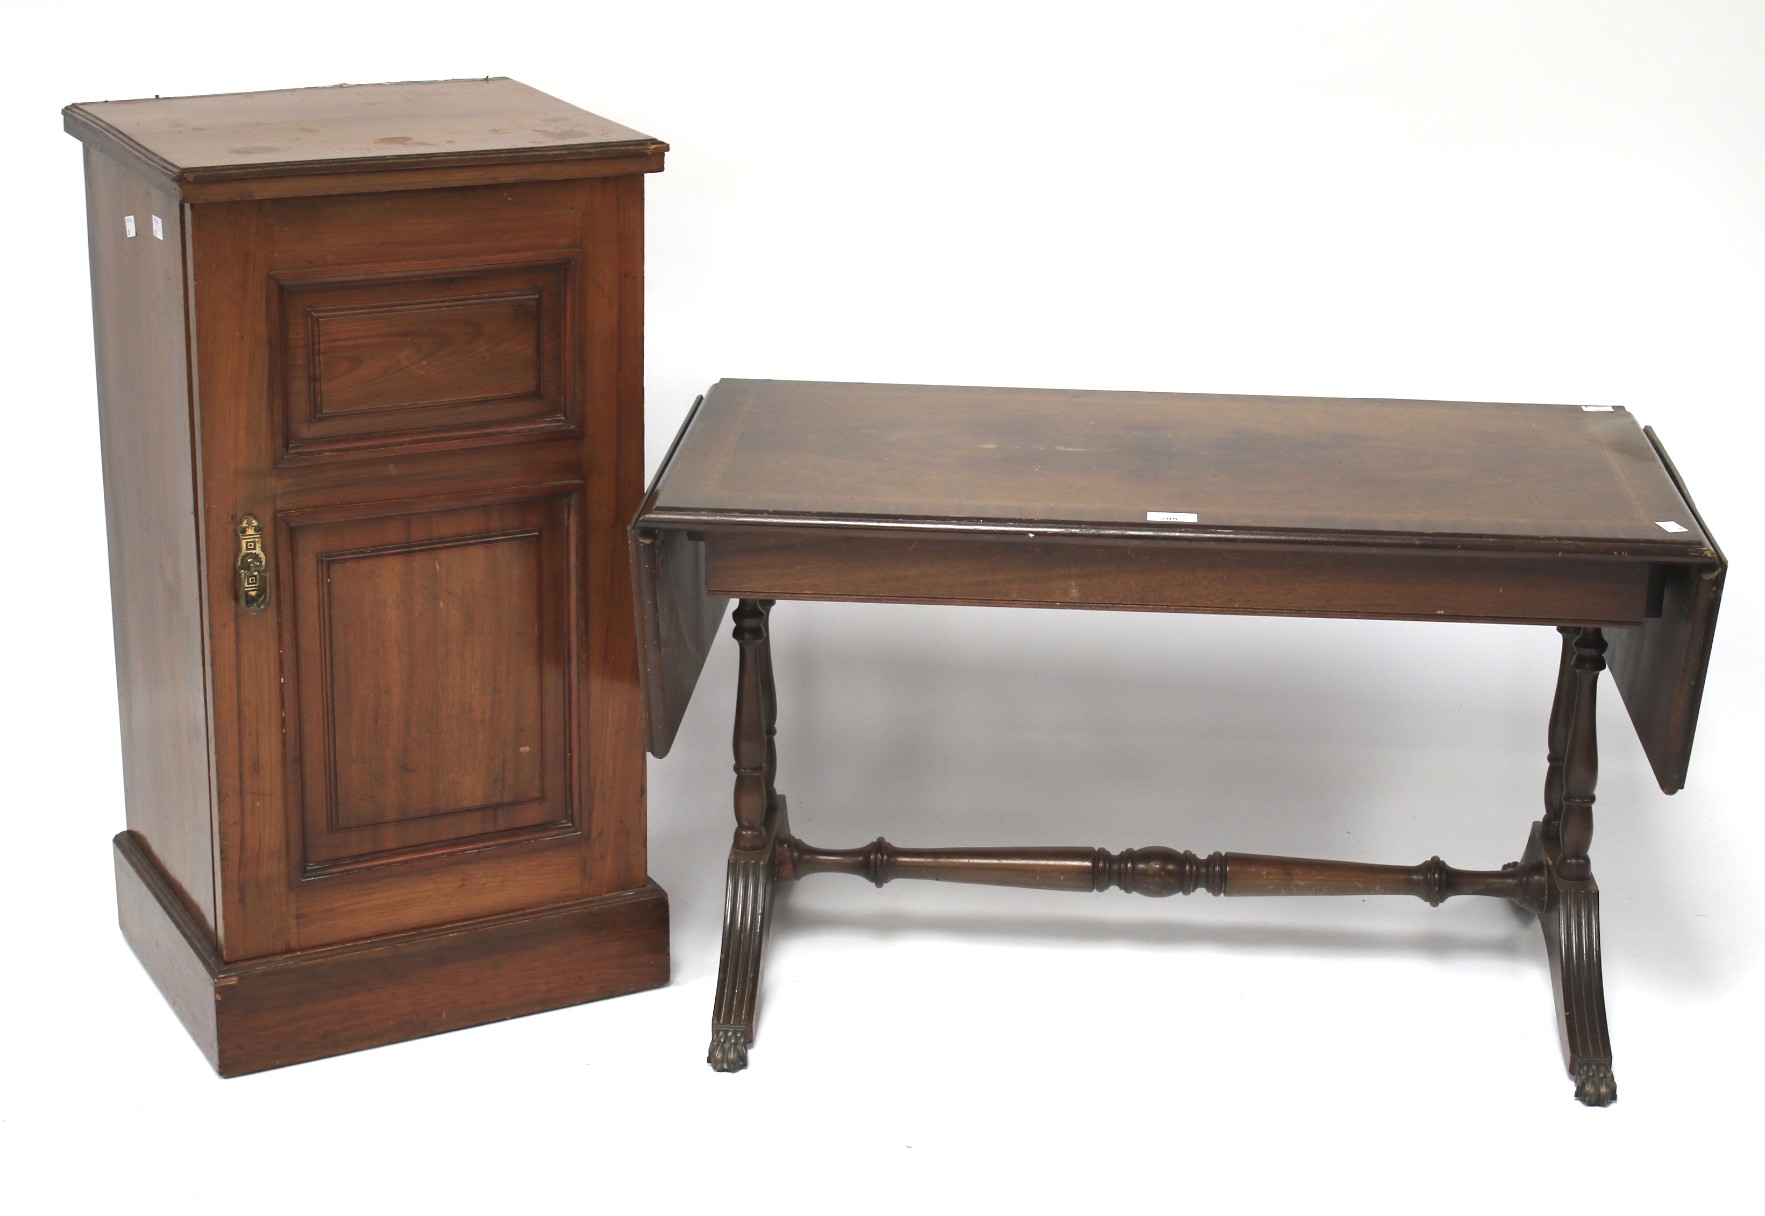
(305, 1005)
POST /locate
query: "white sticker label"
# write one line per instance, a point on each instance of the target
(129, 226)
(159, 228)
(1596, 409)
(1670, 525)
(1171, 517)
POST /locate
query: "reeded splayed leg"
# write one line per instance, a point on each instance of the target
(747, 909)
(760, 821)
(1571, 915)
(1572, 935)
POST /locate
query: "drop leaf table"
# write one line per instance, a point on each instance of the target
(1569, 517)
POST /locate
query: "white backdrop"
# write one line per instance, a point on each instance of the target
(1530, 201)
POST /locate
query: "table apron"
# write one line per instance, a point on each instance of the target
(1303, 580)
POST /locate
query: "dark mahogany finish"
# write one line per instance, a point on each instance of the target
(351, 139)
(1183, 503)
(370, 380)
(1275, 466)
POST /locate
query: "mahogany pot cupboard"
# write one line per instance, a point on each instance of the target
(370, 380)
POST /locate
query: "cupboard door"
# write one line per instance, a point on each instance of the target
(420, 397)
(433, 726)
(427, 697)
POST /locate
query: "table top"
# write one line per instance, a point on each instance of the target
(1521, 477)
(234, 136)
(1182, 502)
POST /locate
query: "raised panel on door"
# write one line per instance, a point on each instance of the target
(428, 685)
(388, 357)
(434, 721)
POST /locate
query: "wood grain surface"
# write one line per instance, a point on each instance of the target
(235, 136)
(1518, 473)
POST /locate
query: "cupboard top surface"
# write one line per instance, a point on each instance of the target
(415, 124)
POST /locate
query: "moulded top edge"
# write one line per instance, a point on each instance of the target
(291, 132)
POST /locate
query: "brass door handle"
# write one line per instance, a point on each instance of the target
(253, 566)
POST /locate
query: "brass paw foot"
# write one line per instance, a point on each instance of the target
(1594, 1085)
(729, 1049)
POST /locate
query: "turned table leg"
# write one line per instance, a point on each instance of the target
(760, 821)
(1562, 708)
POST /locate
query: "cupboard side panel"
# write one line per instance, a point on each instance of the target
(150, 507)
